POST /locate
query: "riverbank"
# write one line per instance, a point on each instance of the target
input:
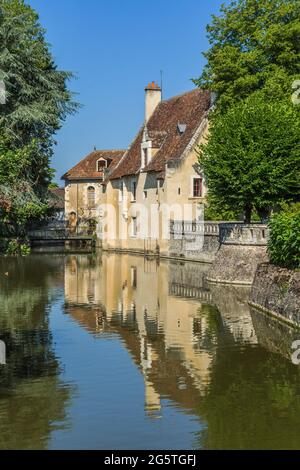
(277, 291)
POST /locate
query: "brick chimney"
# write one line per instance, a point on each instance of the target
(153, 98)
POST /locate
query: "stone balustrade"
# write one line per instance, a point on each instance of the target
(244, 234)
(180, 228)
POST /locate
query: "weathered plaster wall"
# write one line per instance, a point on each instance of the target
(167, 202)
(76, 198)
(277, 290)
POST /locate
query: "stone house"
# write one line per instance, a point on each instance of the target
(83, 186)
(158, 177)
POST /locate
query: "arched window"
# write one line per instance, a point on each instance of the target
(91, 197)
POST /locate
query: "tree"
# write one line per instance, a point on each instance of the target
(255, 45)
(37, 96)
(37, 103)
(252, 158)
(284, 243)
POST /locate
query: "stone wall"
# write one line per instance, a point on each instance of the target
(237, 264)
(194, 240)
(277, 290)
(242, 248)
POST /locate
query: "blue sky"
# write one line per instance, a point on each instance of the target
(116, 47)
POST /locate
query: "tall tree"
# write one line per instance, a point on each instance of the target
(255, 45)
(252, 158)
(37, 101)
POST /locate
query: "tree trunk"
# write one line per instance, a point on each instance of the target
(248, 214)
(264, 214)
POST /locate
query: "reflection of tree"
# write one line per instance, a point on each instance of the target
(225, 369)
(31, 394)
(252, 401)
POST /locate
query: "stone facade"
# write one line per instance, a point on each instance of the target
(237, 264)
(277, 291)
(84, 191)
(194, 241)
(155, 180)
(242, 248)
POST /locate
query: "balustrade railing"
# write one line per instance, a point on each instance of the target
(244, 234)
(60, 230)
(233, 233)
(182, 228)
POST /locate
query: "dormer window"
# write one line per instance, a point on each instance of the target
(101, 165)
(181, 128)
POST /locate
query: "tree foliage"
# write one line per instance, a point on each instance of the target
(284, 244)
(252, 158)
(255, 45)
(37, 97)
(37, 102)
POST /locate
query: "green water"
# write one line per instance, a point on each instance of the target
(117, 352)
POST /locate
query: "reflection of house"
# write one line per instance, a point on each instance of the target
(84, 184)
(156, 327)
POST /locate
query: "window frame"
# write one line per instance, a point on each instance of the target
(200, 193)
(91, 190)
(134, 227)
(134, 190)
(101, 160)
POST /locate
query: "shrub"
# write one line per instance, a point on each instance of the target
(12, 247)
(15, 247)
(25, 249)
(284, 243)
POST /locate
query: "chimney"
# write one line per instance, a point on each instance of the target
(153, 98)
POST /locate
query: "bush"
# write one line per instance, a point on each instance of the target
(15, 247)
(284, 244)
(12, 247)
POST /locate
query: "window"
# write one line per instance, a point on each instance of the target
(197, 187)
(145, 154)
(134, 227)
(121, 191)
(101, 165)
(145, 194)
(179, 191)
(91, 197)
(134, 191)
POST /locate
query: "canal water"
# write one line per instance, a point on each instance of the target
(119, 352)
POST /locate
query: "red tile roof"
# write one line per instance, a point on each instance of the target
(87, 168)
(189, 109)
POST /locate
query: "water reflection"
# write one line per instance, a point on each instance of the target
(32, 397)
(198, 345)
(122, 352)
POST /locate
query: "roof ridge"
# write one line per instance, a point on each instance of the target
(106, 150)
(180, 95)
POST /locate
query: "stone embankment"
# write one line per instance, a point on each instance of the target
(277, 291)
(242, 248)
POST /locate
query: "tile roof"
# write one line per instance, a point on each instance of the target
(87, 168)
(162, 128)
